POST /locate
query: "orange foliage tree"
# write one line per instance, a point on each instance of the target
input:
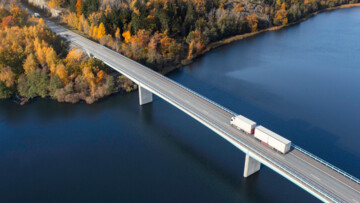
(8, 21)
(79, 7)
(253, 22)
(280, 17)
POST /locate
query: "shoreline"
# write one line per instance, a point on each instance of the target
(213, 45)
(229, 40)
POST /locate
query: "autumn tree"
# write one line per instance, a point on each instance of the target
(30, 64)
(238, 8)
(19, 14)
(8, 21)
(253, 22)
(62, 73)
(127, 36)
(7, 76)
(191, 50)
(281, 15)
(200, 6)
(55, 3)
(79, 7)
(100, 31)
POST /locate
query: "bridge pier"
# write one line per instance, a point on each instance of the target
(89, 54)
(145, 96)
(251, 166)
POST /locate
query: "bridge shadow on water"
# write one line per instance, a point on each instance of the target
(213, 155)
(196, 145)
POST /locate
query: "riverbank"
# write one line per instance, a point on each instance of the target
(229, 40)
(144, 40)
(247, 35)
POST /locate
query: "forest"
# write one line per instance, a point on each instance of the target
(34, 62)
(161, 33)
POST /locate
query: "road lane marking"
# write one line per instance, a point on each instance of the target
(355, 201)
(315, 176)
(316, 167)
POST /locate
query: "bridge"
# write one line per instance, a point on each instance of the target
(316, 176)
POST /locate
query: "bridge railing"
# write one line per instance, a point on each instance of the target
(309, 184)
(176, 83)
(338, 170)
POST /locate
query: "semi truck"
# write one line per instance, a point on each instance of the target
(272, 139)
(243, 123)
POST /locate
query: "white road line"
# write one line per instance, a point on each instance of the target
(355, 201)
(315, 176)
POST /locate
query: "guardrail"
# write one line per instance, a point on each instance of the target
(327, 164)
(312, 186)
(174, 82)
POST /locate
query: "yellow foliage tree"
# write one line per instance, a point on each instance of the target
(30, 64)
(90, 77)
(55, 3)
(62, 73)
(74, 57)
(101, 31)
(280, 17)
(7, 76)
(127, 36)
(41, 21)
(191, 49)
(51, 57)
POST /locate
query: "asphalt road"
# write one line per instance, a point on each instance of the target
(303, 169)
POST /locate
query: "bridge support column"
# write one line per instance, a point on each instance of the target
(251, 166)
(88, 53)
(145, 96)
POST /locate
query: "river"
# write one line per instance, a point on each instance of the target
(302, 82)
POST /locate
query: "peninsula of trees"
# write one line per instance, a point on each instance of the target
(35, 62)
(162, 33)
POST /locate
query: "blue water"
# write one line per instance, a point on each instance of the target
(300, 82)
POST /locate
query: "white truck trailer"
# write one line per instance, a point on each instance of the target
(272, 139)
(243, 123)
